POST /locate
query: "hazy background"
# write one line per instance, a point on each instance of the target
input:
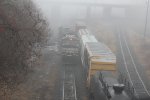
(57, 17)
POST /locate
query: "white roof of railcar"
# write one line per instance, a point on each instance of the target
(98, 49)
(101, 52)
(86, 36)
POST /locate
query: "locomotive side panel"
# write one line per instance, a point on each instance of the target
(70, 47)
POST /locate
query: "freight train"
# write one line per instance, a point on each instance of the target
(99, 64)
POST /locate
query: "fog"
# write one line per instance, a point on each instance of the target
(58, 12)
(98, 1)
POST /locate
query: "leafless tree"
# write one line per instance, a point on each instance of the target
(23, 31)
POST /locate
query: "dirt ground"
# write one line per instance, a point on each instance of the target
(42, 82)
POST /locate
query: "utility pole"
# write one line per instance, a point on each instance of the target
(147, 10)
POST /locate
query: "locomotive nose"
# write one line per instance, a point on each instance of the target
(118, 88)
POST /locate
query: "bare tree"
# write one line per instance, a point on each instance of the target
(23, 31)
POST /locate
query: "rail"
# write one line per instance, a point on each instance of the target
(69, 87)
(135, 79)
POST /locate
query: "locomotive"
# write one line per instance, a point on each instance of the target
(69, 46)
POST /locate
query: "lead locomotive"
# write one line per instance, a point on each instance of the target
(69, 46)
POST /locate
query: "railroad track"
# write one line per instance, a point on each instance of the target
(69, 86)
(133, 74)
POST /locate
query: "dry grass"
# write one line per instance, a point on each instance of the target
(40, 85)
(141, 47)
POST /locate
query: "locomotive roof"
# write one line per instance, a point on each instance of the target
(83, 32)
(70, 37)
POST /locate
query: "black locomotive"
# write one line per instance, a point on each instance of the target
(69, 46)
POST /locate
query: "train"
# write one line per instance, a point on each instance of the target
(99, 64)
(69, 46)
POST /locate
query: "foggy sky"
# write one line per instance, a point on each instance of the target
(45, 4)
(98, 1)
